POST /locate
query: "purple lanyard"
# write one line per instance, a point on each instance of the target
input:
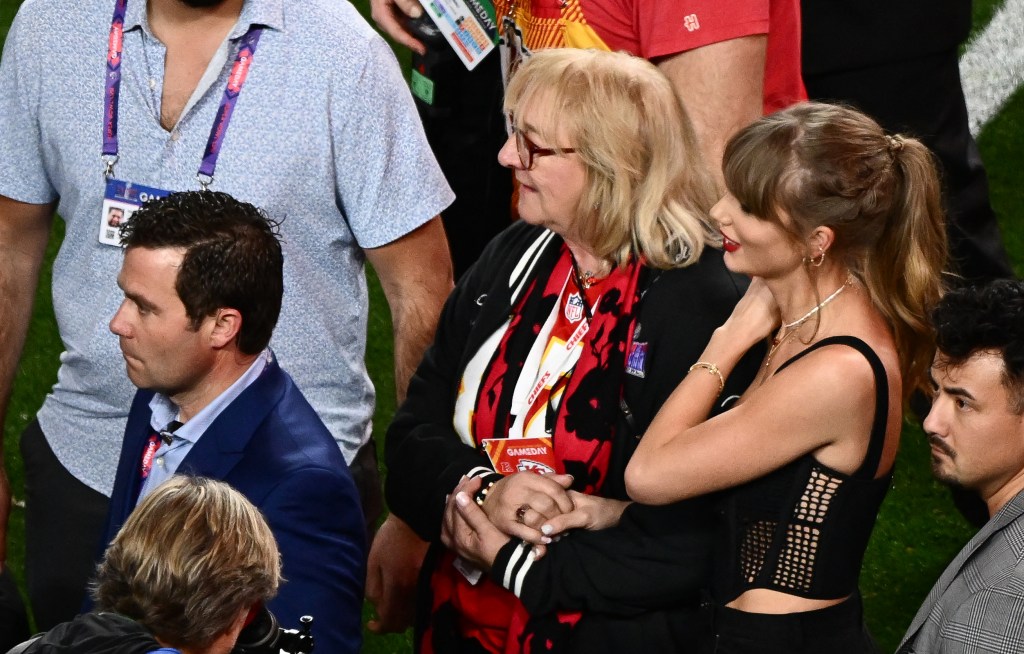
(112, 91)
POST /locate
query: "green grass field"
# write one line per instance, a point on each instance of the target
(918, 531)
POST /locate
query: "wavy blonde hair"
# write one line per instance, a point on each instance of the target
(191, 556)
(648, 191)
(829, 165)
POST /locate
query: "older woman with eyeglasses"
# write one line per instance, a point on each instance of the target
(555, 351)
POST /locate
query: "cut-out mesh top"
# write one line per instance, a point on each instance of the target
(803, 529)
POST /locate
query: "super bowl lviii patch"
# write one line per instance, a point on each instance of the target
(636, 359)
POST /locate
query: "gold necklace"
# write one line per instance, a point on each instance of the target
(777, 342)
(821, 305)
(585, 279)
(791, 328)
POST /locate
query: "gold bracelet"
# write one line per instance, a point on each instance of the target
(488, 482)
(481, 494)
(712, 370)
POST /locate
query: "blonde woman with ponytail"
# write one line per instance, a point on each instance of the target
(840, 227)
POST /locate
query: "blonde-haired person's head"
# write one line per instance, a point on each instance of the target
(647, 191)
(192, 556)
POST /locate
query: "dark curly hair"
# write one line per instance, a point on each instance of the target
(232, 258)
(985, 318)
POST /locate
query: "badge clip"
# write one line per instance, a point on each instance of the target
(108, 166)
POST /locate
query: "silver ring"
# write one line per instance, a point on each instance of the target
(521, 513)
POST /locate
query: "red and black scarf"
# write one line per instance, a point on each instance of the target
(486, 617)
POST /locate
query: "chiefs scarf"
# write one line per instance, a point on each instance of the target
(486, 617)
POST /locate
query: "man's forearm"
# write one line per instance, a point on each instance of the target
(22, 246)
(414, 331)
(416, 274)
(722, 86)
(24, 231)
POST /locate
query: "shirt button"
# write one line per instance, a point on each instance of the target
(175, 135)
(160, 462)
(152, 83)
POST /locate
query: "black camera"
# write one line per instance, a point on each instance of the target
(265, 636)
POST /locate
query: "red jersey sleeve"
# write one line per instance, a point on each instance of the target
(656, 28)
(659, 28)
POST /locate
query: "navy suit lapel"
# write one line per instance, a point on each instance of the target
(136, 435)
(1005, 516)
(224, 442)
(128, 479)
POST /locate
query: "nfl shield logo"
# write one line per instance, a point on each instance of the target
(574, 308)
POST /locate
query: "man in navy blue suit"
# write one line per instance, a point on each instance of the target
(202, 282)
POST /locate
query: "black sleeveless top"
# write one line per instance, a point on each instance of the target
(803, 529)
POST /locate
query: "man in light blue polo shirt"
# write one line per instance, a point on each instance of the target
(296, 107)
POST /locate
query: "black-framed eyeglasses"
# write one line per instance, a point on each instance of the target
(527, 149)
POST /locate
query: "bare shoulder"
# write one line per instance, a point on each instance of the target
(843, 363)
(841, 386)
(831, 373)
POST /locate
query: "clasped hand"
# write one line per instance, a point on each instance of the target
(534, 508)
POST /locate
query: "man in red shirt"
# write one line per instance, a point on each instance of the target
(730, 61)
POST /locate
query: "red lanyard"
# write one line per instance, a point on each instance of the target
(147, 455)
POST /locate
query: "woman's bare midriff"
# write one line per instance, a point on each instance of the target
(762, 600)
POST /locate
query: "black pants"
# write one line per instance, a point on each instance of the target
(837, 629)
(64, 522)
(13, 621)
(366, 474)
(923, 97)
(65, 519)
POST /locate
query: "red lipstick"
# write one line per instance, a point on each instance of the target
(728, 244)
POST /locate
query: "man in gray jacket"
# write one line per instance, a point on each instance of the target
(976, 431)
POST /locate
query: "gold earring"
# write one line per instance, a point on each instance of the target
(816, 261)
